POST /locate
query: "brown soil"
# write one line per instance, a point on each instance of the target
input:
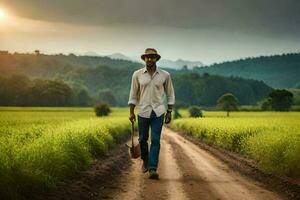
(96, 181)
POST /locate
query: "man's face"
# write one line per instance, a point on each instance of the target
(150, 60)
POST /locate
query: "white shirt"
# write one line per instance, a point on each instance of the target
(148, 92)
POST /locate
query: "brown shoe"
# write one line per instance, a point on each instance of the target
(153, 174)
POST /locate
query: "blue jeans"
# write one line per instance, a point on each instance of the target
(156, 124)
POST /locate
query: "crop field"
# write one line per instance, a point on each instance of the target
(270, 138)
(41, 146)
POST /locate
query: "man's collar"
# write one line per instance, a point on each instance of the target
(145, 69)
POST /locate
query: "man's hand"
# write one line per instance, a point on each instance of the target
(168, 117)
(132, 117)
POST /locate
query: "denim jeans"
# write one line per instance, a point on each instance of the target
(156, 124)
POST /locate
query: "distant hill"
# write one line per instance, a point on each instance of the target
(91, 53)
(121, 57)
(179, 63)
(49, 65)
(166, 63)
(279, 71)
(103, 77)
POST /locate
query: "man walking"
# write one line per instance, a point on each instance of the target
(148, 86)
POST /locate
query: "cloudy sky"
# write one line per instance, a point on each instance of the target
(205, 30)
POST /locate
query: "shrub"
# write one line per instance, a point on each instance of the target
(102, 109)
(195, 111)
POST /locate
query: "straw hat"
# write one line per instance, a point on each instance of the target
(150, 51)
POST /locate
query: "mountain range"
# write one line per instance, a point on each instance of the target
(166, 63)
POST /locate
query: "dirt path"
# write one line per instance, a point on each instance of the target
(186, 172)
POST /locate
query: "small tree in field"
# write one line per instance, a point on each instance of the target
(102, 109)
(195, 111)
(228, 102)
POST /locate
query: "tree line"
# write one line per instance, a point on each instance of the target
(195, 89)
(190, 89)
(277, 71)
(65, 80)
(19, 90)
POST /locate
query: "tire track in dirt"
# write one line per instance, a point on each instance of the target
(220, 181)
(172, 173)
(193, 184)
(187, 172)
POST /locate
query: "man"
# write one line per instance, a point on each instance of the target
(148, 86)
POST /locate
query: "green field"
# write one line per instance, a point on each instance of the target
(41, 146)
(271, 138)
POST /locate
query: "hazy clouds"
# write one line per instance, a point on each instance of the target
(201, 25)
(245, 15)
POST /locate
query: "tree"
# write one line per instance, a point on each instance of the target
(50, 93)
(195, 111)
(14, 89)
(102, 109)
(37, 52)
(266, 104)
(108, 97)
(83, 98)
(205, 75)
(282, 100)
(228, 102)
(184, 68)
(57, 93)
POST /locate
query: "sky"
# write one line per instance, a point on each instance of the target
(210, 31)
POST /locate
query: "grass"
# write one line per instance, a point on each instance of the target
(41, 146)
(271, 138)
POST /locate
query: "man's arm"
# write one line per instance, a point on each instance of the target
(133, 96)
(131, 108)
(169, 92)
(170, 98)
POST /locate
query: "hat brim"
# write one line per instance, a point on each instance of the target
(157, 56)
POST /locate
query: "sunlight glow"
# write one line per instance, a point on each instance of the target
(2, 13)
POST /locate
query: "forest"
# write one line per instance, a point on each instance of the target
(277, 71)
(69, 80)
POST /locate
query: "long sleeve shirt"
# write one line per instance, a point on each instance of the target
(148, 92)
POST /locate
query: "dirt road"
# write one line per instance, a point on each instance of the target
(186, 172)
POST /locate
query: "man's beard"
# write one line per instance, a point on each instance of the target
(150, 64)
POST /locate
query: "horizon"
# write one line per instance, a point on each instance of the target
(108, 55)
(203, 30)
